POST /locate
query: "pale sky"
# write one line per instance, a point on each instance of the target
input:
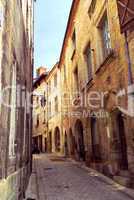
(51, 18)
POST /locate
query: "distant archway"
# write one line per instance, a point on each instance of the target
(66, 144)
(122, 142)
(50, 142)
(71, 142)
(80, 139)
(57, 139)
(95, 140)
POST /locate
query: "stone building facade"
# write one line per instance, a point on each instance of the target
(53, 105)
(96, 123)
(39, 111)
(99, 126)
(47, 110)
(16, 68)
(89, 98)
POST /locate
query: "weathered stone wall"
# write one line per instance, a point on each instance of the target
(109, 76)
(16, 61)
(39, 129)
(54, 118)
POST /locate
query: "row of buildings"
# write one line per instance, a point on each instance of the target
(83, 107)
(16, 68)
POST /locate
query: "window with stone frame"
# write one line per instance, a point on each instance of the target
(92, 8)
(56, 104)
(55, 80)
(89, 62)
(76, 80)
(73, 44)
(43, 100)
(74, 39)
(105, 36)
(13, 113)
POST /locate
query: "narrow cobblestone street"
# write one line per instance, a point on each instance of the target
(59, 179)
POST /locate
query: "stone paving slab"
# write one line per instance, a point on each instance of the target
(70, 180)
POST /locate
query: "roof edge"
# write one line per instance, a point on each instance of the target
(72, 14)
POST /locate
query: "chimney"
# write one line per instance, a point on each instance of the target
(41, 70)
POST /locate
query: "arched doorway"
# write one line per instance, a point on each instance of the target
(50, 142)
(45, 140)
(122, 143)
(57, 139)
(40, 143)
(96, 155)
(66, 144)
(80, 139)
(71, 142)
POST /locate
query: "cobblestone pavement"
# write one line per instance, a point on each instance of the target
(60, 179)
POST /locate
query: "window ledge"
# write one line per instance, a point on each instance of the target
(107, 60)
